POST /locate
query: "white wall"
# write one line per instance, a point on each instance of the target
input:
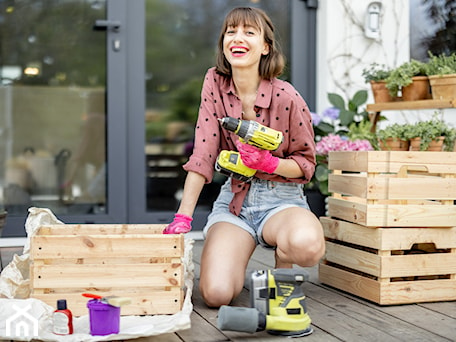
(343, 51)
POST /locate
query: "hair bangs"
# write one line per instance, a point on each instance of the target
(243, 16)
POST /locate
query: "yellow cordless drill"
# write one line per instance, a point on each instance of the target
(277, 305)
(252, 133)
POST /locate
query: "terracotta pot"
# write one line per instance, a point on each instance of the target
(420, 89)
(443, 87)
(381, 92)
(435, 145)
(394, 144)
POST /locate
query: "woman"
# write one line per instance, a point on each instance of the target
(271, 210)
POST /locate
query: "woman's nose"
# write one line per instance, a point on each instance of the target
(238, 36)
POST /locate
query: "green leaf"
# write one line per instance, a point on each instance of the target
(325, 127)
(346, 117)
(336, 100)
(359, 98)
(321, 172)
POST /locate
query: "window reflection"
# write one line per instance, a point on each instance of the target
(181, 37)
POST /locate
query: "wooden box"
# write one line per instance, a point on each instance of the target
(135, 261)
(393, 188)
(390, 265)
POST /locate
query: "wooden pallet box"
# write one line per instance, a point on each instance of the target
(390, 265)
(135, 261)
(393, 188)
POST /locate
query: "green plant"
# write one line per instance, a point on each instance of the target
(430, 130)
(398, 131)
(345, 126)
(441, 64)
(376, 72)
(402, 75)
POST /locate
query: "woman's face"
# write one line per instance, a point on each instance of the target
(243, 46)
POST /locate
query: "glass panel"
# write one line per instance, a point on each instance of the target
(52, 106)
(181, 37)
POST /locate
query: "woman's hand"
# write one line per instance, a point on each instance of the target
(256, 158)
(181, 224)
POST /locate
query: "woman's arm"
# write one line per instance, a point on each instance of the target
(193, 186)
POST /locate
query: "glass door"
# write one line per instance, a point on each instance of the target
(55, 110)
(181, 37)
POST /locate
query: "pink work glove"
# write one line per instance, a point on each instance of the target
(256, 158)
(181, 224)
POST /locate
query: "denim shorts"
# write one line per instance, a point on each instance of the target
(264, 199)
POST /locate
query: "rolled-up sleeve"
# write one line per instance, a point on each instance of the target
(301, 139)
(207, 132)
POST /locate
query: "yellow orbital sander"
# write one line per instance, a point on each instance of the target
(277, 305)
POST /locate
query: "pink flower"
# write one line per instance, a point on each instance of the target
(334, 142)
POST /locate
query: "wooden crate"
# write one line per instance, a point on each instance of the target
(136, 261)
(390, 265)
(393, 189)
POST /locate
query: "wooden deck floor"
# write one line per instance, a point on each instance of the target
(336, 316)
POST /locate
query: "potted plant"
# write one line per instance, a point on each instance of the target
(411, 79)
(441, 71)
(394, 137)
(432, 135)
(376, 75)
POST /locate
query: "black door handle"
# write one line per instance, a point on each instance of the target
(104, 25)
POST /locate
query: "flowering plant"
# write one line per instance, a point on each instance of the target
(340, 129)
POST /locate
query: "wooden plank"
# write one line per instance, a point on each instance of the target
(386, 238)
(101, 246)
(392, 215)
(401, 292)
(393, 188)
(392, 161)
(428, 264)
(108, 229)
(359, 314)
(411, 105)
(71, 276)
(353, 258)
(145, 302)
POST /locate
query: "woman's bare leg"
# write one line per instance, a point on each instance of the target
(298, 235)
(226, 253)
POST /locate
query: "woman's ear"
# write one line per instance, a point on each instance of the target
(265, 50)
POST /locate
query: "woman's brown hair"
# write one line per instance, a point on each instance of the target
(272, 64)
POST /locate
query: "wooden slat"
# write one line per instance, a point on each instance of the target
(401, 292)
(150, 302)
(392, 188)
(392, 215)
(353, 258)
(94, 246)
(71, 276)
(108, 229)
(428, 264)
(386, 238)
(392, 161)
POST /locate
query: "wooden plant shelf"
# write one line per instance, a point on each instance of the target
(411, 105)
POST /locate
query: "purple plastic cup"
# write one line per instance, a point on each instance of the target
(104, 318)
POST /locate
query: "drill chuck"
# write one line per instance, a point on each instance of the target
(254, 133)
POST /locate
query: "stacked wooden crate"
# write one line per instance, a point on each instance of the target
(135, 261)
(390, 231)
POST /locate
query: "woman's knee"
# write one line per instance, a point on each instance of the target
(217, 294)
(307, 247)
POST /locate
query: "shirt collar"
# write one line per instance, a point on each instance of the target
(264, 92)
